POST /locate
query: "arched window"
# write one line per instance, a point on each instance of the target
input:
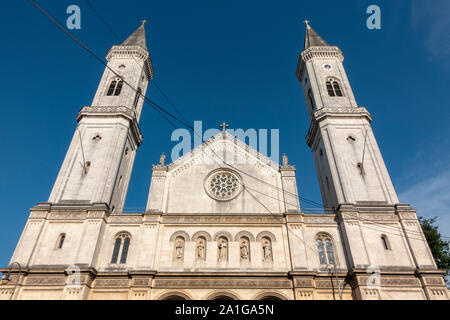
(118, 88)
(385, 242)
(136, 98)
(333, 88)
(325, 249)
(121, 246)
(115, 87)
(311, 100)
(112, 87)
(60, 242)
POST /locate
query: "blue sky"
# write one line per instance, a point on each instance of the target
(230, 61)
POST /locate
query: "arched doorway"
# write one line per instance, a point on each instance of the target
(174, 296)
(222, 296)
(270, 298)
(271, 295)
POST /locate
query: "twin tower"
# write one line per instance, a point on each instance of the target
(206, 237)
(349, 165)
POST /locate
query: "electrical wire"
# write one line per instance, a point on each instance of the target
(161, 110)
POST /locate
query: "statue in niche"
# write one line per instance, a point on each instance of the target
(201, 249)
(267, 249)
(245, 252)
(179, 248)
(223, 249)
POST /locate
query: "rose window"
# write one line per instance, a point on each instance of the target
(223, 185)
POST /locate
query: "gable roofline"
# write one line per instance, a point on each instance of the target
(229, 138)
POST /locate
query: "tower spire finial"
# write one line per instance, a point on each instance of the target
(312, 39)
(137, 38)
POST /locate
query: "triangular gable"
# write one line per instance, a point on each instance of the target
(212, 151)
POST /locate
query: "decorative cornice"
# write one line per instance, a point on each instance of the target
(316, 52)
(123, 111)
(263, 283)
(221, 219)
(323, 113)
(136, 51)
(209, 148)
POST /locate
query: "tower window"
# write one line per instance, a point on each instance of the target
(325, 249)
(333, 88)
(112, 87)
(136, 98)
(60, 242)
(311, 100)
(118, 88)
(121, 246)
(115, 88)
(385, 242)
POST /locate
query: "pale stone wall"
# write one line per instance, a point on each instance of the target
(184, 189)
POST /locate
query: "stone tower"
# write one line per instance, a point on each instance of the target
(222, 231)
(98, 164)
(349, 164)
(355, 183)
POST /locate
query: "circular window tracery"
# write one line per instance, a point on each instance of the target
(223, 184)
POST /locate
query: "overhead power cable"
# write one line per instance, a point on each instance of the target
(161, 110)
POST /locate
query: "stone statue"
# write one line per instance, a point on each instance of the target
(162, 159)
(244, 250)
(267, 251)
(285, 160)
(201, 250)
(179, 249)
(223, 254)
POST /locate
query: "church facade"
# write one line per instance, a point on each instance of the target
(223, 221)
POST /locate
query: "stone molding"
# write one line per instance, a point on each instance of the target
(222, 283)
(45, 280)
(325, 112)
(244, 233)
(99, 283)
(221, 219)
(316, 52)
(136, 51)
(202, 233)
(122, 111)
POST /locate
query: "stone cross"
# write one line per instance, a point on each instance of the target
(144, 21)
(224, 126)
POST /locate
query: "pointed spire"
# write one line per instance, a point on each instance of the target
(137, 38)
(312, 39)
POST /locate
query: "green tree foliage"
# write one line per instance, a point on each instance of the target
(439, 248)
